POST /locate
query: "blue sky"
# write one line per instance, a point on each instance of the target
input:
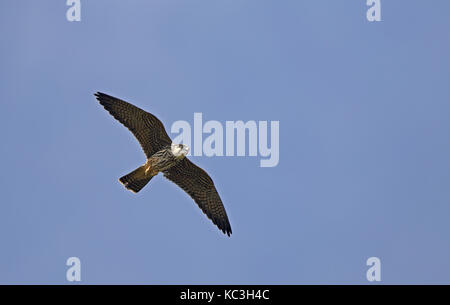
(364, 141)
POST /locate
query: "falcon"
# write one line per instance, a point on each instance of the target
(165, 157)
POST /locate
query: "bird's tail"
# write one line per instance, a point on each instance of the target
(136, 180)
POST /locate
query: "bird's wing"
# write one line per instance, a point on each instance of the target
(197, 183)
(148, 130)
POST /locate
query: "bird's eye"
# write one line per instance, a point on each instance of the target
(180, 145)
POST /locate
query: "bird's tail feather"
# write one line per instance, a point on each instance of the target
(136, 180)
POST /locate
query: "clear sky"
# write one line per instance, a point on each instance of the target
(364, 165)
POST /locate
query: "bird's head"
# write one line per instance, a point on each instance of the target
(179, 150)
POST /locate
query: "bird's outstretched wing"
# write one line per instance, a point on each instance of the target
(197, 183)
(147, 129)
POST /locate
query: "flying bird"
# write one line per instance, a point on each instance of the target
(166, 157)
